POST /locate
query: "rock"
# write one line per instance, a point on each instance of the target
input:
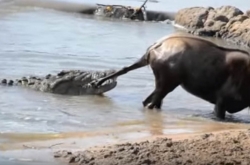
(227, 22)
(228, 11)
(193, 17)
(247, 13)
(239, 30)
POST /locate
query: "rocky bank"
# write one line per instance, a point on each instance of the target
(225, 148)
(226, 22)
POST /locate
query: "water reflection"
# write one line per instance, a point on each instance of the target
(154, 120)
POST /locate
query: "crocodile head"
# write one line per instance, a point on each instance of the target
(79, 82)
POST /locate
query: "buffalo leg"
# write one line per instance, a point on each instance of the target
(219, 111)
(148, 99)
(157, 85)
(227, 94)
(167, 84)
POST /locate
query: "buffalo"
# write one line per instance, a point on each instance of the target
(217, 74)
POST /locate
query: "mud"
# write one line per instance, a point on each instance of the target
(226, 148)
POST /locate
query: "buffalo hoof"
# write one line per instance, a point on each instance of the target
(145, 103)
(219, 117)
(153, 106)
(219, 113)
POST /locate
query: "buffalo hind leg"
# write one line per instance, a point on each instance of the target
(167, 85)
(159, 96)
(157, 85)
(148, 99)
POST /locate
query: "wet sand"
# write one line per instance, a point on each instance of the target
(229, 146)
(222, 147)
(132, 146)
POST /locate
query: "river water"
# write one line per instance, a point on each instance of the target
(38, 41)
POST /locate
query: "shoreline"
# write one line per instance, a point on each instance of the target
(225, 145)
(176, 149)
(40, 150)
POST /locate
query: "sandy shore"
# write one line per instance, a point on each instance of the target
(222, 147)
(132, 146)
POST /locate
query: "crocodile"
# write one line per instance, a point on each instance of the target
(66, 82)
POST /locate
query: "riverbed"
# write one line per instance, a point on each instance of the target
(38, 41)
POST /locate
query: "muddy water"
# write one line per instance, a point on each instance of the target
(38, 41)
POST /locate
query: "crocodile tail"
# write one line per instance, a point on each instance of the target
(7, 82)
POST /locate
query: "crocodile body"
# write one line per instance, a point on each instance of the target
(66, 82)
